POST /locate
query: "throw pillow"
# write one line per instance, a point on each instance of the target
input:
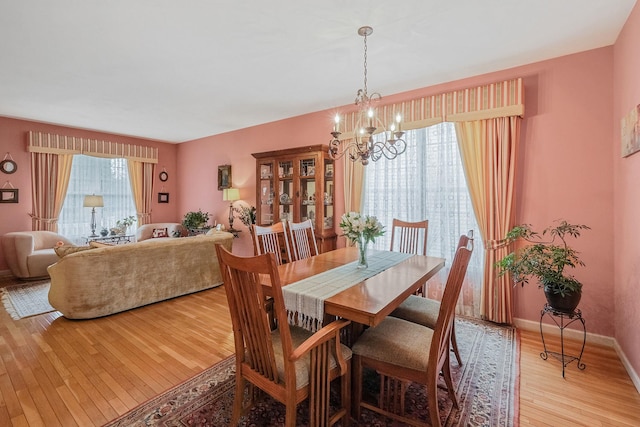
(160, 232)
(65, 250)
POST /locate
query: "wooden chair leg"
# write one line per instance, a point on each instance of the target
(356, 383)
(290, 408)
(345, 382)
(432, 401)
(449, 382)
(454, 342)
(238, 401)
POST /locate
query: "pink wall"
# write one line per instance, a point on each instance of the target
(13, 139)
(563, 171)
(568, 136)
(626, 274)
(198, 163)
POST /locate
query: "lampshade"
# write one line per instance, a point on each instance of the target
(93, 201)
(230, 194)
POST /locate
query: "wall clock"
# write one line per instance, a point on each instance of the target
(8, 166)
(164, 176)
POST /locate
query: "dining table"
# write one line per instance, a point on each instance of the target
(370, 300)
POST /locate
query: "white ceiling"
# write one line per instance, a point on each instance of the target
(180, 70)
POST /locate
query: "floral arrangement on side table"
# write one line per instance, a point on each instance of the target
(122, 225)
(247, 215)
(361, 230)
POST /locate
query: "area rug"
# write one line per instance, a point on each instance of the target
(27, 299)
(487, 389)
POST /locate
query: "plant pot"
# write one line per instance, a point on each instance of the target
(566, 304)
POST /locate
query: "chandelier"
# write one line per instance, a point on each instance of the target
(363, 147)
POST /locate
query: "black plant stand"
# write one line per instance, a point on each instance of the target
(566, 319)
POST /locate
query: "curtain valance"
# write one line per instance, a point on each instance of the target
(40, 142)
(501, 99)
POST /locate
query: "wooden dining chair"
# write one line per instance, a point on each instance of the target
(303, 239)
(409, 237)
(290, 364)
(274, 239)
(402, 352)
(424, 311)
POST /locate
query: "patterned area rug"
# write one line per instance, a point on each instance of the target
(27, 299)
(487, 388)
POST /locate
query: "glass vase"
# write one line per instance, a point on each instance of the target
(362, 253)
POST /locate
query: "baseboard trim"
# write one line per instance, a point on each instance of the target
(575, 334)
(627, 365)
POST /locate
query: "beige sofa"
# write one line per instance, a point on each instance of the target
(29, 253)
(107, 280)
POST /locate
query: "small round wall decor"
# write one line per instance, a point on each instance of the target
(8, 166)
(164, 176)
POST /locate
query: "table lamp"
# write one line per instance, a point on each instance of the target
(93, 202)
(231, 195)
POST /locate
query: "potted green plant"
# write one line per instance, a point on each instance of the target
(546, 261)
(193, 220)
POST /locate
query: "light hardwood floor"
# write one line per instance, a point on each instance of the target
(58, 372)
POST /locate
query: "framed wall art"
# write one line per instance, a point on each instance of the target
(8, 195)
(630, 132)
(163, 197)
(224, 177)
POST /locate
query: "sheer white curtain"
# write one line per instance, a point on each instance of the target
(107, 177)
(428, 182)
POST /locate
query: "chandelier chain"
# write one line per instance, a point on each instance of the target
(365, 65)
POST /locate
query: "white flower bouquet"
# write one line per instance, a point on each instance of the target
(360, 228)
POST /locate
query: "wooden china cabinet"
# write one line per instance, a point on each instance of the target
(297, 184)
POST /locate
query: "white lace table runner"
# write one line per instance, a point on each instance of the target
(304, 300)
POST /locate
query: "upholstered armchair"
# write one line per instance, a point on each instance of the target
(29, 253)
(160, 229)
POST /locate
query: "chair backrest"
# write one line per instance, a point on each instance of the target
(442, 332)
(303, 239)
(464, 239)
(274, 239)
(249, 311)
(409, 237)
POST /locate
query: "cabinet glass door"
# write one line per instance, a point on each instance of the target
(266, 194)
(308, 190)
(285, 190)
(328, 196)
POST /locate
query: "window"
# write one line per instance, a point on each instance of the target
(428, 182)
(94, 175)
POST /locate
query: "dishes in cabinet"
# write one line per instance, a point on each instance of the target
(284, 198)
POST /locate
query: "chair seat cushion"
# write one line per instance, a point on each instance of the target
(423, 311)
(298, 336)
(398, 342)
